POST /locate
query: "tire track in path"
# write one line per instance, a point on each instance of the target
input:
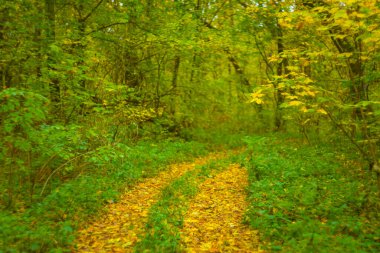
(213, 222)
(120, 228)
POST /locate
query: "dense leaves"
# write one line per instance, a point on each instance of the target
(97, 94)
(310, 198)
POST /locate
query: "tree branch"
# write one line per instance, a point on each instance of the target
(91, 12)
(106, 26)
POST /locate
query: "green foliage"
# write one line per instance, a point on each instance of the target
(215, 138)
(21, 112)
(49, 225)
(83, 81)
(310, 198)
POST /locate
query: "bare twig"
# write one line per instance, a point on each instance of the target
(360, 149)
(60, 167)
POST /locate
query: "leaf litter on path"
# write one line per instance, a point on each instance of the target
(214, 221)
(124, 222)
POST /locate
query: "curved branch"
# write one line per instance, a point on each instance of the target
(60, 167)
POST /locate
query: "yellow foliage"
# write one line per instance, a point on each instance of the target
(214, 220)
(322, 111)
(274, 58)
(295, 103)
(292, 97)
(256, 97)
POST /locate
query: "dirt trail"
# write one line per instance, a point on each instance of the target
(213, 222)
(120, 228)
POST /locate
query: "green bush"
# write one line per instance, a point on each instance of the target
(310, 198)
(215, 138)
(49, 225)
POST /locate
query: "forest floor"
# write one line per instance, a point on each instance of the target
(274, 194)
(203, 213)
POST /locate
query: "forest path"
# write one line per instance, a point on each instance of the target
(214, 221)
(124, 222)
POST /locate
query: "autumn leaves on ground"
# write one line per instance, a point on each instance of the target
(190, 207)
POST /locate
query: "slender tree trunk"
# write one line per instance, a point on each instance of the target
(50, 36)
(281, 70)
(4, 16)
(174, 104)
(80, 48)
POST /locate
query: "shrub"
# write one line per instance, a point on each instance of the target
(310, 198)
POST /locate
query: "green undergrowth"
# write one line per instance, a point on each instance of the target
(49, 225)
(167, 215)
(215, 138)
(310, 198)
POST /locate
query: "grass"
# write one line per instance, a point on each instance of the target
(166, 216)
(310, 198)
(49, 225)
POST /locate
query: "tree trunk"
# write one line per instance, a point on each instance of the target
(174, 103)
(281, 70)
(50, 37)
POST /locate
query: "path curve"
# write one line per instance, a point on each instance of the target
(123, 224)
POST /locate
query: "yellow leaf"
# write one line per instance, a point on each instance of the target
(308, 80)
(295, 103)
(292, 97)
(256, 97)
(345, 55)
(293, 68)
(206, 246)
(322, 111)
(274, 58)
(308, 19)
(305, 122)
(258, 101)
